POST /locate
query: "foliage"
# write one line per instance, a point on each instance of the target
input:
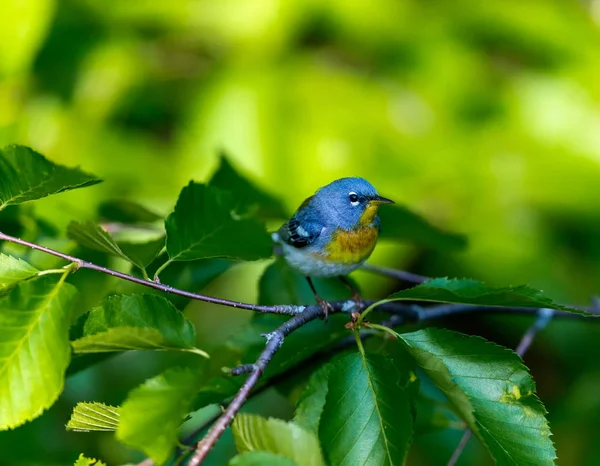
(94, 416)
(254, 433)
(35, 317)
(492, 391)
(83, 461)
(355, 409)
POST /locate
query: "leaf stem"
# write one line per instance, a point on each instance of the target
(359, 344)
(162, 268)
(383, 328)
(49, 272)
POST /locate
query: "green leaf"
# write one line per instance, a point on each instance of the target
(93, 236)
(261, 458)
(83, 461)
(311, 402)
(491, 389)
(368, 416)
(128, 339)
(136, 322)
(26, 175)
(400, 224)
(87, 417)
(153, 412)
(126, 212)
(248, 196)
(252, 433)
(204, 224)
(34, 347)
(464, 291)
(143, 253)
(13, 270)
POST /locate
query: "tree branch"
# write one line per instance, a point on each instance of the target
(544, 317)
(274, 341)
(397, 274)
(403, 309)
(285, 309)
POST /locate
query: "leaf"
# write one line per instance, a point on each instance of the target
(261, 458)
(311, 402)
(93, 236)
(491, 389)
(26, 175)
(368, 417)
(117, 210)
(464, 291)
(143, 253)
(252, 433)
(400, 224)
(83, 461)
(249, 197)
(136, 322)
(127, 339)
(34, 347)
(13, 270)
(153, 412)
(204, 224)
(94, 416)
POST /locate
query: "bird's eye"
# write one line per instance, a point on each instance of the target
(353, 198)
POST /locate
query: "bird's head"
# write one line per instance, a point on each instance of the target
(349, 202)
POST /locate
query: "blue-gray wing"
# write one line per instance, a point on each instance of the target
(302, 229)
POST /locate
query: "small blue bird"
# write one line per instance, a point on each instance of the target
(333, 232)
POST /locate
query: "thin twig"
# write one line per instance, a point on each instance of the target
(405, 310)
(285, 309)
(544, 317)
(397, 274)
(461, 447)
(274, 342)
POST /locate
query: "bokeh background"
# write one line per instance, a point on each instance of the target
(484, 117)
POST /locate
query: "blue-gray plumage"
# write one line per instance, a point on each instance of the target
(333, 232)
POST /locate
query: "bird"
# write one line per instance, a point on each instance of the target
(332, 233)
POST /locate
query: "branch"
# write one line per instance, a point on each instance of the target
(544, 317)
(397, 274)
(274, 341)
(402, 309)
(81, 264)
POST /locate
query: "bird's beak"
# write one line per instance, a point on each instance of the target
(377, 200)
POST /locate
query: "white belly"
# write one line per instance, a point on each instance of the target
(302, 260)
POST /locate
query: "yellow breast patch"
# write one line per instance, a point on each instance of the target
(351, 247)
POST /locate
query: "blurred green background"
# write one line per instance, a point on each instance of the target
(484, 117)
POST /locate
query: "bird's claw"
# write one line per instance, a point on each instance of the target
(358, 300)
(325, 307)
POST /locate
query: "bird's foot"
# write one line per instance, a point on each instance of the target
(358, 300)
(325, 307)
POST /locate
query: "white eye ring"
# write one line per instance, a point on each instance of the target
(353, 199)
